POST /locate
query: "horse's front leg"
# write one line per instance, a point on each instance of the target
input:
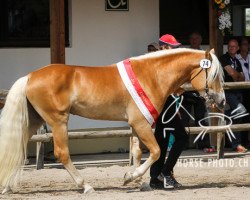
(136, 150)
(61, 152)
(144, 132)
(136, 153)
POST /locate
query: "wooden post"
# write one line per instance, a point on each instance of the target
(40, 150)
(216, 42)
(133, 141)
(130, 151)
(57, 31)
(215, 36)
(57, 51)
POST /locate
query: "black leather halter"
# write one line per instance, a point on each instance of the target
(206, 88)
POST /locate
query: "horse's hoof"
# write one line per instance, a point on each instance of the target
(128, 177)
(88, 189)
(145, 187)
(7, 190)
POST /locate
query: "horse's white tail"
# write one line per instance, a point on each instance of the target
(14, 134)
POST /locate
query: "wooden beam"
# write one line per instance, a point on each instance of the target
(57, 31)
(127, 132)
(226, 86)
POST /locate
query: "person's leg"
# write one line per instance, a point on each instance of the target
(156, 167)
(246, 119)
(233, 99)
(162, 139)
(200, 112)
(184, 116)
(181, 140)
(236, 141)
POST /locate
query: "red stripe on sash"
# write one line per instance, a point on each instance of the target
(140, 91)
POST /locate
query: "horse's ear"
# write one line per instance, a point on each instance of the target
(212, 51)
(208, 54)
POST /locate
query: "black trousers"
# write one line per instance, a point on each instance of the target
(246, 99)
(192, 100)
(181, 138)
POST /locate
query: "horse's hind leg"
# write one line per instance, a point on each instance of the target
(61, 152)
(144, 132)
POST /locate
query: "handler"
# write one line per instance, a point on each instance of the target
(161, 172)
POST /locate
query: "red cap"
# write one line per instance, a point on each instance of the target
(169, 40)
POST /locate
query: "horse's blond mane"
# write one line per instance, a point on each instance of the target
(216, 69)
(166, 52)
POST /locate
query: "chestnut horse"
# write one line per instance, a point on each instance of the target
(51, 93)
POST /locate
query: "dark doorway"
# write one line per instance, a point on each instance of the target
(181, 18)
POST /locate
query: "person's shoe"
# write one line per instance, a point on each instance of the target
(169, 182)
(241, 149)
(156, 184)
(176, 183)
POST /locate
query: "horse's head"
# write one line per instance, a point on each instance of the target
(207, 79)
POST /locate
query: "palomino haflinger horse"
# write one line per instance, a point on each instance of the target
(52, 93)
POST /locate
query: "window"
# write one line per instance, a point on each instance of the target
(194, 16)
(26, 23)
(247, 22)
(241, 17)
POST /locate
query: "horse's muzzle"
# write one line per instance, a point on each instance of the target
(213, 102)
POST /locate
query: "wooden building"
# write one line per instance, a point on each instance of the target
(100, 32)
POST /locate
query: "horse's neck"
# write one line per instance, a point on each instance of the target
(172, 76)
(161, 80)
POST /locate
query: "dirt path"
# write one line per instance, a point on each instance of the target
(226, 179)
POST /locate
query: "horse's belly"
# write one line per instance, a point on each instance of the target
(104, 112)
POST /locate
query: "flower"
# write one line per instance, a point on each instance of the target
(222, 5)
(225, 20)
(223, 14)
(218, 1)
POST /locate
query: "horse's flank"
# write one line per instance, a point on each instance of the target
(84, 91)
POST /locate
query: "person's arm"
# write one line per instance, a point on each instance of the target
(237, 76)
